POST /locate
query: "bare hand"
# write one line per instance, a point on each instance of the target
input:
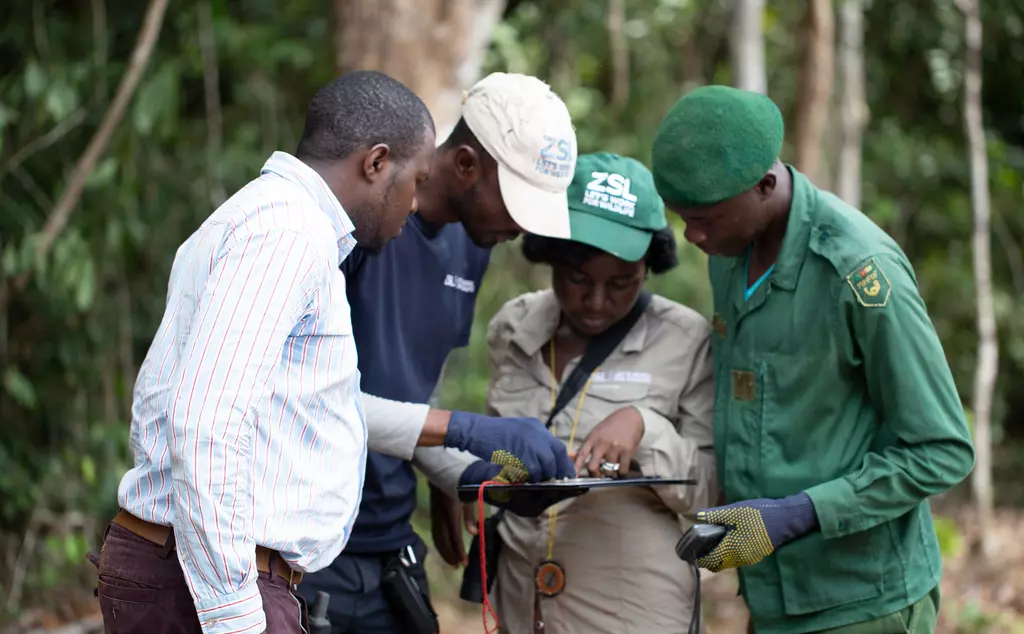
(470, 518)
(446, 522)
(615, 439)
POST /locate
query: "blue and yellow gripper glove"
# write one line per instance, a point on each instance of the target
(756, 529)
(517, 449)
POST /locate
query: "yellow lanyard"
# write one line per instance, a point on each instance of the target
(553, 511)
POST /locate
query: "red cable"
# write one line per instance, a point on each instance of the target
(487, 609)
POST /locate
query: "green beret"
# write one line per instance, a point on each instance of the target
(715, 143)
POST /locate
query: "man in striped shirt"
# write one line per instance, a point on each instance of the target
(248, 428)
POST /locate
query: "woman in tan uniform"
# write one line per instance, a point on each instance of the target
(604, 562)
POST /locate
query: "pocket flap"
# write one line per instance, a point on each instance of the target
(514, 383)
(617, 391)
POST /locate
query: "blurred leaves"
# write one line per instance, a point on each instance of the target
(951, 542)
(74, 337)
(156, 104)
(19, 388)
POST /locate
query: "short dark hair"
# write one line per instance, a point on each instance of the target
(359, 110)
(661, 256)
(462, 135)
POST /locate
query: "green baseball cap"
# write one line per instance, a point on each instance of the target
(614, 206)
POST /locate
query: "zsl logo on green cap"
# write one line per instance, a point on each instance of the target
(613, 196)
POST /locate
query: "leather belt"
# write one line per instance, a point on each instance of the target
(159, 535)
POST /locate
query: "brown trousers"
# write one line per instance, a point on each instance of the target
(142, 591)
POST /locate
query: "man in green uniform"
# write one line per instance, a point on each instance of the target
(836, 416)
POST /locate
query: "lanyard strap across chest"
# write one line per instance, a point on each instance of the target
(553, 511)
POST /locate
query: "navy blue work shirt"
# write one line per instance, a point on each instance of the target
(412, 304)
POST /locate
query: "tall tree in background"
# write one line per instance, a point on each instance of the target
(747, 46)
(211, 100)
(988, 349)
(614, 21)
(435, 47)
(853, 109)
(815, 90)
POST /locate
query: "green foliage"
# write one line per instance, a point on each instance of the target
(951, 542)
(973, 619)
(72, 339)
(19, 388)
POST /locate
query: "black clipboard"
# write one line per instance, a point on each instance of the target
(558, 490)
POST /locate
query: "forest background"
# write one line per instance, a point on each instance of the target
(123, 125)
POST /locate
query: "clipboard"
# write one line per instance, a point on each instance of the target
(554, 491)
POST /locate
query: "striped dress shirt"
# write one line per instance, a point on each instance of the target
(247, 424)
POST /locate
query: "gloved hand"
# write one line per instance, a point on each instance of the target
(525, 504)
(756, 529)
(522, 446)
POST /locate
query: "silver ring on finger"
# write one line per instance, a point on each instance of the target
(610, 467)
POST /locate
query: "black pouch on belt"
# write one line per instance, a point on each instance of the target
(408, 600)
(472, 583)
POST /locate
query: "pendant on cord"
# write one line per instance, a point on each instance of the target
(550, 578)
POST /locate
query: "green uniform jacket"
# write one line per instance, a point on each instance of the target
(830, 379)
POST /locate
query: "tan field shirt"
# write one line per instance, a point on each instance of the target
(617, 546)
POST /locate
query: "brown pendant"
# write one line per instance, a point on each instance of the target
(550, 578)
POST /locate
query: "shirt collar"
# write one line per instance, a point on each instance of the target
(538, 325)
(802, 212)
(292, 169)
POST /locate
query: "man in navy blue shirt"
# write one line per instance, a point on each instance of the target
(503, 170)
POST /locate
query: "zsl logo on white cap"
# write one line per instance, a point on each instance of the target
(614, 196)
(556, 158)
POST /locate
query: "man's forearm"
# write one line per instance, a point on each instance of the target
(435, 428)
(396, 428)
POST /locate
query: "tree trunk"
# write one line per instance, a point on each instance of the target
(616, 18)
(560, 75)
(815, 91)
(435, 47)
(747, 46)
(988, 350)
(853, 112)
(211, 95)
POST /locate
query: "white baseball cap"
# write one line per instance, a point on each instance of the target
(526, 128)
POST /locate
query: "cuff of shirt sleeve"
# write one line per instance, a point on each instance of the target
(240, 612)
(655, 426)
(831, 500)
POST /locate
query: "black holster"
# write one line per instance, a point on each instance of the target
(409, 602)
(472, 583)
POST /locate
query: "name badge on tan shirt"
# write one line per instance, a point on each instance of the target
(744, 386)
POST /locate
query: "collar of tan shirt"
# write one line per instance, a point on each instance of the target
(536, 327)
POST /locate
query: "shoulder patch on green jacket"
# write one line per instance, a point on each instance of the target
(869, 284)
